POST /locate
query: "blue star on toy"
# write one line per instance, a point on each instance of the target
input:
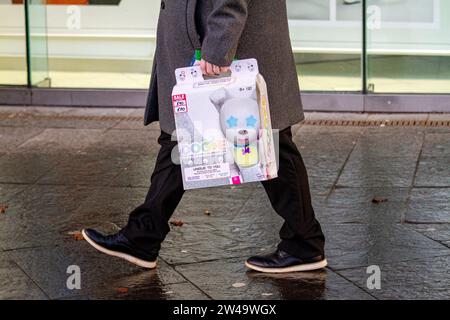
(232, 122)
(251, 121)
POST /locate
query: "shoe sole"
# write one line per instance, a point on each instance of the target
(127, 257)
(300, 268)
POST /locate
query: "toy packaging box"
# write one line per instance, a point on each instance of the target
(223, 127)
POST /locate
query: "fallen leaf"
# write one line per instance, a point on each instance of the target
(3, 209)
(207, 212)
(238, 285)
(379, 200)
(77, 235)
(122, 290)
(177, 223)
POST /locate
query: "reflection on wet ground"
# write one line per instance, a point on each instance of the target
(381, 193)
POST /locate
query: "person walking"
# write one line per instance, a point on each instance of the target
(223, 30)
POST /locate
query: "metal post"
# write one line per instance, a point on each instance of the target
(364, 48)
(27, 43)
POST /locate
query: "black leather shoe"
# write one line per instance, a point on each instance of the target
(118, 245)
(282, 262)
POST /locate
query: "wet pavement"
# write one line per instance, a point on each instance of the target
(382, 194)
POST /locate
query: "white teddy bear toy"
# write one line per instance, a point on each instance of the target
(240, 123)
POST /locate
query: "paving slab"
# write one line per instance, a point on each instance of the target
(362, 171)
(15, 284)
(64, 117)
(106, 204)
(7, 191)
(385, 144)
(24, 233)
(138, 172)
(437, 232)
(311, 116)
(422, 279)
(205, 239)
(137, 124)
(223, 235)
(18, 116)
(145, 290)
(433, 172)
(436, 145)
(305, 129)
(89, 118)
(429, 205)
(237, 283)
(26, 168)
(398, 116)
(12, 137)
(130, 141)
(364, 205)
(94, 169)
(354, 245)
(35, 215)
(223, 201)
(439, 116)
(47, 201)
(64, 169)
(323, 171)
(394, 130)
(51, 141)
(327, 141)
(101, 276)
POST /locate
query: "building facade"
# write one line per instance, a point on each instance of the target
(354, 55)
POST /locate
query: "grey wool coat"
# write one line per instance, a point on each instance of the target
(234, 28)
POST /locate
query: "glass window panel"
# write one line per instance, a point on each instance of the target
(327, 42)
(13, 66)
(110, 44)
(408, 46)
(37, 43)
(101, 43)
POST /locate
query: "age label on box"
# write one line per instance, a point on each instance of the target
(207, 172)
(179, 103)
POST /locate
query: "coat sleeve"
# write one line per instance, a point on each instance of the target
(224, 28)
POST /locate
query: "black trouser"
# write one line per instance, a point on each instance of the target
(301, 234)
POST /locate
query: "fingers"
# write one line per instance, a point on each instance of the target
(210, 69)
(203, 66)
(216, 69)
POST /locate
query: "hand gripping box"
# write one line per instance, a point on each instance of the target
(223, 126)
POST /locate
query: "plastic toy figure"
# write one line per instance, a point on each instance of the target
(239, 118)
